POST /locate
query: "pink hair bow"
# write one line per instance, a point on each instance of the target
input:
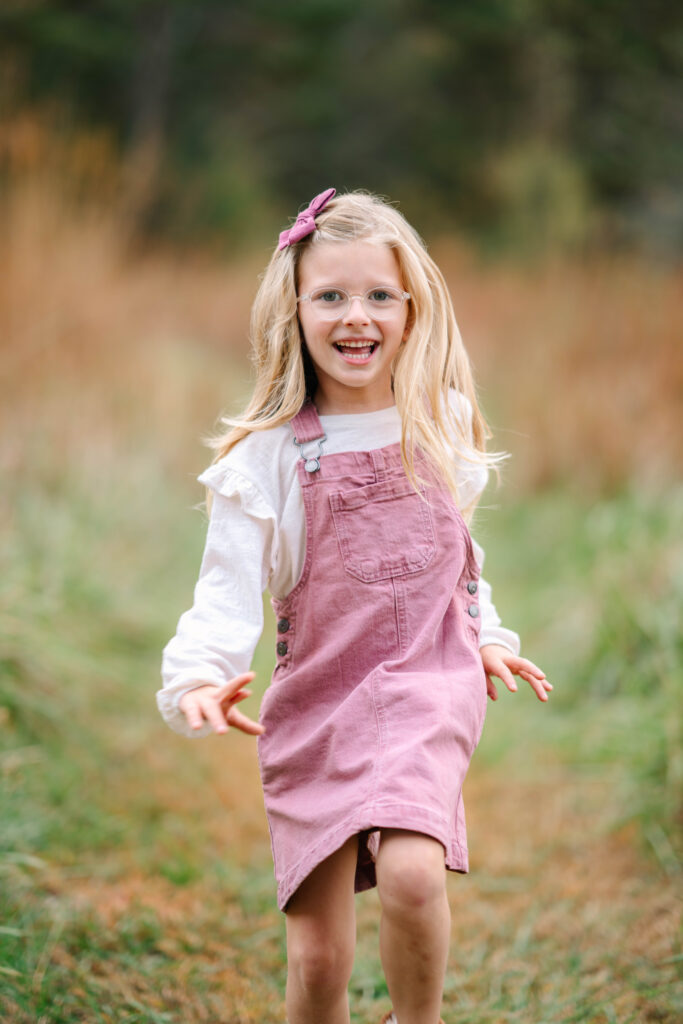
(305, 221)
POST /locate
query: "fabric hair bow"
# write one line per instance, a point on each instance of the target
(305, 221)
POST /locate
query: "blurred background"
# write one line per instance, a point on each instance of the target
(150, 152)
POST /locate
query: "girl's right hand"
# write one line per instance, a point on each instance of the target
(216, 704)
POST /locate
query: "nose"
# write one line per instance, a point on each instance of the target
(356, 313)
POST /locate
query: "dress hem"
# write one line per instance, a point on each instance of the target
(410, 817)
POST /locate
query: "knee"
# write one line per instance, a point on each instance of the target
(321, 967)
(410, 880)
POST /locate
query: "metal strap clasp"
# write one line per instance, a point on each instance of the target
(311, 462)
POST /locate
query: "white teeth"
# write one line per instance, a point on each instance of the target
(366, 349)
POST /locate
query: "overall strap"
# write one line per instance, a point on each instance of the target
(306, 424)
(307, 427)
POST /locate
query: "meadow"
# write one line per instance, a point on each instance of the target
(135, 875)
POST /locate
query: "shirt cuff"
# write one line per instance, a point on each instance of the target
(501, 636)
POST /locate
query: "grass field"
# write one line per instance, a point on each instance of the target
(137, 883)
(135, 875)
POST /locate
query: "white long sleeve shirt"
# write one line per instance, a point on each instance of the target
(256, 540)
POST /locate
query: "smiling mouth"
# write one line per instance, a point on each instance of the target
(356, 351)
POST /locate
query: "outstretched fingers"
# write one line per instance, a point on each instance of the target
(210, 710)
(506, 676)
(240, 721)
(232, 693)
(532, 674)
(541, 687)
(193, 712)
(232, 688)
(505, 666)
(216, 705)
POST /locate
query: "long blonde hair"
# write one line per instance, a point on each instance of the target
(432, 360)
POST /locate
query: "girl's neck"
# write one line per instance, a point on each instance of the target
(334, 405)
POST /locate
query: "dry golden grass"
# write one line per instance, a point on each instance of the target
(579, 364)
(100, 349)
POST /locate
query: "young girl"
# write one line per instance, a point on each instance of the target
(345, 489)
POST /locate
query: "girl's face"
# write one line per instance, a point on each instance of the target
(354, 353)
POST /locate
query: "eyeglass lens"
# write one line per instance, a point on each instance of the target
(379, 303)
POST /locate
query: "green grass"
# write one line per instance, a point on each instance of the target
(97, 794)
(596, 594)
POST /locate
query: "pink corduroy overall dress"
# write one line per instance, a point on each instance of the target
(378, 697)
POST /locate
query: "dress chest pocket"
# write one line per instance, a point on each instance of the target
(384, 530)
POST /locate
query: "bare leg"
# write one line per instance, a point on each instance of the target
(321, 940)
(415, 926)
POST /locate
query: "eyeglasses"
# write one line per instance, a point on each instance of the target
(334, 303)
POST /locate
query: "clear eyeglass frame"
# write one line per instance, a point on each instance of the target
(336, 310)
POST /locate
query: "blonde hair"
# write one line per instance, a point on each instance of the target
(432, 360)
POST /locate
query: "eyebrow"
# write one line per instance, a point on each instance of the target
(380, 284)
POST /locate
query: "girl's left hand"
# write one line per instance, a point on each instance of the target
(499, 661)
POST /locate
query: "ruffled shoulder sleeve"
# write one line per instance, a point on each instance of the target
(224, 479)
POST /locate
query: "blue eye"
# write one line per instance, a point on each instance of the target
(327, 296)
(384, 296)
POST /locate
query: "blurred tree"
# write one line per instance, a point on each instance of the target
(156, 38)
(520, 122)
